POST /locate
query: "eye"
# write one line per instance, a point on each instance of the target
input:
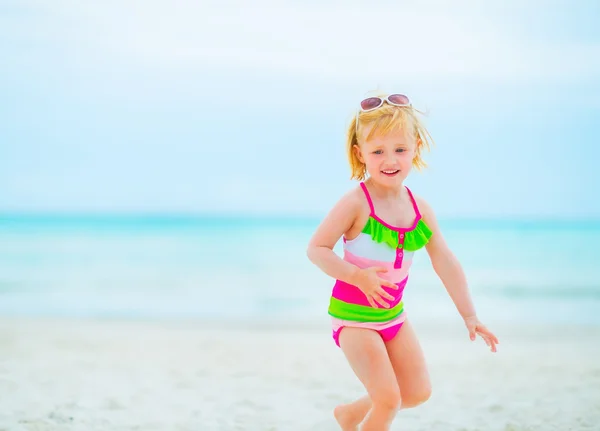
(377, 152)
(400, 150)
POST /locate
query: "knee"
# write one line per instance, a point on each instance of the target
(388, 399)
(416, 398)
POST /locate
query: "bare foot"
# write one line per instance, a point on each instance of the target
(347, 417)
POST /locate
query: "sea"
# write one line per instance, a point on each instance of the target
(224, 269)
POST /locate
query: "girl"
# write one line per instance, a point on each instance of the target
(382, 224)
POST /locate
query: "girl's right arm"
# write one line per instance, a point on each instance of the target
(338, 222)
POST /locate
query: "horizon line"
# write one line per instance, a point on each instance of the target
(239, 215)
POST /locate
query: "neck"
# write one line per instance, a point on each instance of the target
(385, 192)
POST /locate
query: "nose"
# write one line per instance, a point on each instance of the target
(390, 157)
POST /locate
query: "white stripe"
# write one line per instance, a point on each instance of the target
(364, 246)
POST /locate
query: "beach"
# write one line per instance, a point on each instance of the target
(90, 374)
(120, 323)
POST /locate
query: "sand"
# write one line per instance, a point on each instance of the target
(127, 375)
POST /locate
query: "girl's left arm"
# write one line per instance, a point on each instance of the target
(450, 272)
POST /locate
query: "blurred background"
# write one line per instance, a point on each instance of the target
(163, 165)
(171, 160)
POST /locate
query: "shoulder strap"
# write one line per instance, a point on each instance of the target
(414, 202)
(368, 196)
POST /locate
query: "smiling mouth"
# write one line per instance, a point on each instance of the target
(390, 172)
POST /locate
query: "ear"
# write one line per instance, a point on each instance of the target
(358, 153)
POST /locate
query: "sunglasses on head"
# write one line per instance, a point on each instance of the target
(372, 103)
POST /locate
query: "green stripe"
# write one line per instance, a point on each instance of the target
(360, 313)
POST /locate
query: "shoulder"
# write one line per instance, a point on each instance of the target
(354, 199)
(436, 246)
(342, 218)
(425, 209)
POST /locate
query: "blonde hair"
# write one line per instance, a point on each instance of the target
(385, 119)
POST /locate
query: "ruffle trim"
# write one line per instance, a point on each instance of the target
(414, 239)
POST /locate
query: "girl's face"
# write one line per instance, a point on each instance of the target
(388, 158)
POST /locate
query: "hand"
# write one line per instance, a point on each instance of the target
(476, 327)
(370, 284)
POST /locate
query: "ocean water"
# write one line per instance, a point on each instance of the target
(239, 269)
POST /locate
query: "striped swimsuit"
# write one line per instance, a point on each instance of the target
(383, 245)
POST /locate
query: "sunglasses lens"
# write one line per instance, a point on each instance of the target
(399, 99)
(371, 103)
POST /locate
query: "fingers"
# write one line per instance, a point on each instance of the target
(379, 269)
(386, 295)
(476, 328)
(371, 301)
(376, 301)
(489, 338)
(486, 339)
(380, 294)
(492, 337)
(483, 330)
(490, 343)
(387, 283)
(377, 297)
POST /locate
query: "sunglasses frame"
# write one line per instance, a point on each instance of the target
(382, 100)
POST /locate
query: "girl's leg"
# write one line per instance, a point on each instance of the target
(367, 354)
(409, 364)
(349, 416)
(410, 369)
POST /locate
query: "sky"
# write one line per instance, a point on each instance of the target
(241, 107)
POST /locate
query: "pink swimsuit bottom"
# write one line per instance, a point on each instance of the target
(387, 330)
